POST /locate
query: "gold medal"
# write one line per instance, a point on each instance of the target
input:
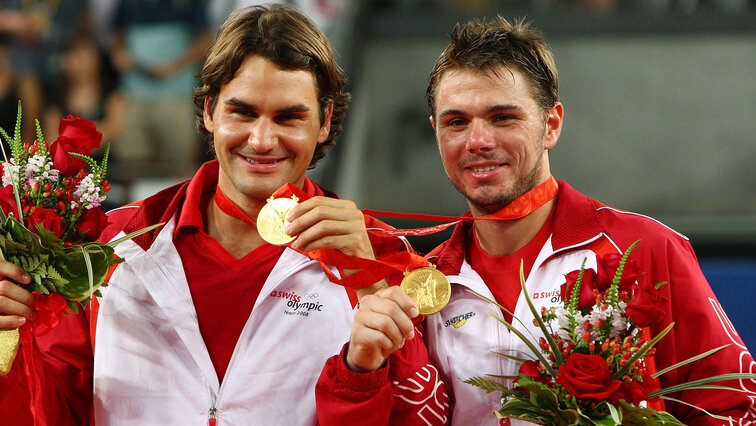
(8, 349)
(271, 220)
(428, 287)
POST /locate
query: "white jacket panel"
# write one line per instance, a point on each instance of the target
(152, 366)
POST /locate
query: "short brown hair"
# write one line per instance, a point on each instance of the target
(487, 45)
(285, 37)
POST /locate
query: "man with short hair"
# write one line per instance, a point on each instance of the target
(205, 322)
(493, 95)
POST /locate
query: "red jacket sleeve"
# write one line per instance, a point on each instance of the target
(700, 325)
(407, 391)
(67, 368)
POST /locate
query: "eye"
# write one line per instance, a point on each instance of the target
(287, 117)
(502, 117)
(244, 112)
(456, 122)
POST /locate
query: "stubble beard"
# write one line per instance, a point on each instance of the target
(490, 203)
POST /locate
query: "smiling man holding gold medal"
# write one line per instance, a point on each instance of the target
(212, 319)
(493, 96)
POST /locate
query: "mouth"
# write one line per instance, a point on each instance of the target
(263, 161)
(481, 169)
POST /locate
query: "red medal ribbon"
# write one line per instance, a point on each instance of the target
(229, 207)
(371, 271)
(524, 205)
(49, 309)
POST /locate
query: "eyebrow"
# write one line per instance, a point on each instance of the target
(246, 105)
(495, 108)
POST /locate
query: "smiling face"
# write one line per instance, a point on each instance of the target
(492, 135)
(265, 127)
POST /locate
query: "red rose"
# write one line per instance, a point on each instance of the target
(647, 306)
(608, 265)
(66, 164)
(8, 201)
(633, 392)
(48, 218)
(587, 376)
(530, 369)
(636, 391)
(587, 285)
(82, 132)
(92, 223)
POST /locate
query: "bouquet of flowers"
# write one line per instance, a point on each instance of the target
(50, 215)
(590, 368)
(49, 222)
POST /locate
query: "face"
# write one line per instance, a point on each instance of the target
(265, 127)
(492, 135)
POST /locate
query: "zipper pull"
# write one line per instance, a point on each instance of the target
(211, 416)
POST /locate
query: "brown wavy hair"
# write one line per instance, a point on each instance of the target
(487, 45)
(285, 37)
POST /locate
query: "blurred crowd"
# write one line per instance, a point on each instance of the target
(129, 66)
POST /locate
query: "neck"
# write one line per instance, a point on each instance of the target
(236, 236)
(504, 237)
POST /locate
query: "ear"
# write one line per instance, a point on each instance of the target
(553, 127)
(325, 129)
(432, 121)
(207, 114)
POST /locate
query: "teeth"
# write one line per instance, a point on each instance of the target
(483, 168)
(251, 161)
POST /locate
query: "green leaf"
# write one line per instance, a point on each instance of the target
(487, 384)
(546, 332)
(689, 360)
(718, 417)
(135, 234)
(642, 416)
(528, 343)
(694, 384)
(512, 357)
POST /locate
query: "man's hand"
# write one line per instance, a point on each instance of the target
(381, 325)
(323, 222)
(15, 302)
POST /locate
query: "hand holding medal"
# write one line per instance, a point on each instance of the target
(322, 223)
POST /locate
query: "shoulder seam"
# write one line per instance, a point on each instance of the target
(129, 206)
(643, 216)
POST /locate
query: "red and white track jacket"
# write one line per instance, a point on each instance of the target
(150, 363)
(462, 337)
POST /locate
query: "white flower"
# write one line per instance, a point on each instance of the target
(11, 172)
(39, 169)
(619, 322)
(88, 194)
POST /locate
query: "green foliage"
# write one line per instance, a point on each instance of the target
(74, 272)
(488, 385)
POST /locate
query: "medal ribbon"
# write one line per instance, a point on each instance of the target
(371, 271)
(229, 207)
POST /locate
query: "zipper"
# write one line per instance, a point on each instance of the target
(211, 416)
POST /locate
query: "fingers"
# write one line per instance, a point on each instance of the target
(15, 302)
(15, 305)
(322, 222)
(13, 272)
(381, 326)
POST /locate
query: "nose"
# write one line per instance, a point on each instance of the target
(262, 136)
(480, 137)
